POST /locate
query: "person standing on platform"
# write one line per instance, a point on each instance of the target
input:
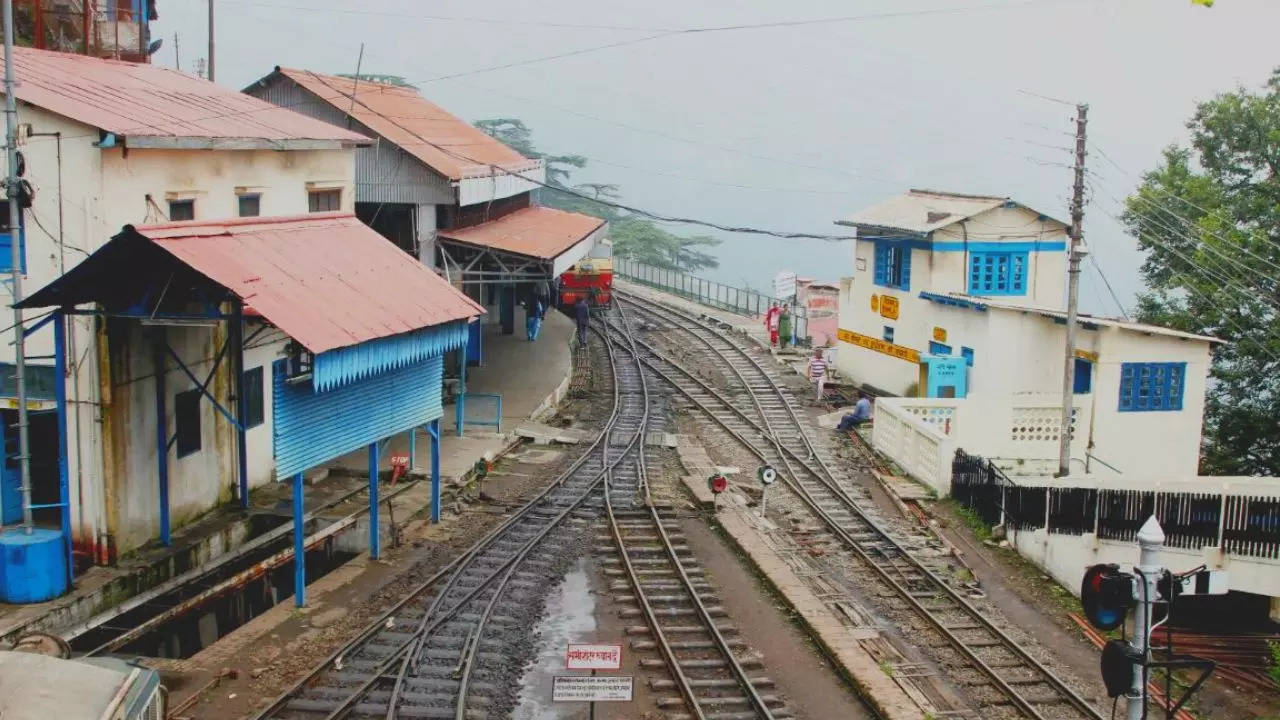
(771, 323)
(784, 326)
(533, 312)
(582, 314)
(818, 373)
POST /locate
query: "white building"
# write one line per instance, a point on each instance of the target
(975, 286)
(108, 144)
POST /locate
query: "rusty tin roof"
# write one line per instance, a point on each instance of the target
(149, 106)
(539, 232)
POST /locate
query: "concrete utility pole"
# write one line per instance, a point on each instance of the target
(1150, 541)
(210, 76)
(15, 263)
(1073, 294)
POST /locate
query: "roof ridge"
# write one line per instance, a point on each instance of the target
(946, 193)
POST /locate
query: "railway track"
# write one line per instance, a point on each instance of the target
(757, 411)
(656, 574)
(445, 649)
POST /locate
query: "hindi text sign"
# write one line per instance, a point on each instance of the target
(593, 657)
(592, 688)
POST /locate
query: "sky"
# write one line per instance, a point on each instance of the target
(793, 126)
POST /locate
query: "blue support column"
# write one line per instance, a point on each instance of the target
(434, 430)
(413, 449)
(60, 394)
(460, 407)
(162, 437)
(375, 548)
(299, 545)
(242, 411)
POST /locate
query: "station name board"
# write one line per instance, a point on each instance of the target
(880, 346)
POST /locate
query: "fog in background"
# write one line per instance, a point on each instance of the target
(791, 127)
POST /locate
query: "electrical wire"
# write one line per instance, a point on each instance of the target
(1094, 260)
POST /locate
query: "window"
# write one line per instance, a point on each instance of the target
(1146, 387)
(893, 264)
(888, 333)
(967, 354)
(324, 200)
(6, 241)
(182, 210)
(937, 348)
(998, 273)
(1083, 377)
(251, 385)
(186, 413)
(250, 205)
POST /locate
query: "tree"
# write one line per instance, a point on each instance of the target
(1208, 218)
(634, 237)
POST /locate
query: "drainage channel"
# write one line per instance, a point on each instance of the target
(186, 615)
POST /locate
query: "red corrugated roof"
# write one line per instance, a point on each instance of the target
(326, 279)
(539, 232)
(407, 119)
(137, 100)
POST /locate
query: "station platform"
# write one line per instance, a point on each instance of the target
(531, 377)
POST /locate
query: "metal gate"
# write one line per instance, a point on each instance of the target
(311, 427)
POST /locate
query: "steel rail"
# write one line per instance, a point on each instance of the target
(686, 687)
(453, 566)
(468, 663)
(827, 479)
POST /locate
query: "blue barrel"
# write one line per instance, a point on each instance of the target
(33, 566)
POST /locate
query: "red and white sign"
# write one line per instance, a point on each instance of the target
(593, 657)
(401, 460)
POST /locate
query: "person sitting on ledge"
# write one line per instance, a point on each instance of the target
(861, 414)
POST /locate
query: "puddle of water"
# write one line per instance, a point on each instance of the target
(569, 617)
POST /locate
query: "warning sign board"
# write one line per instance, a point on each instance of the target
(592, 688)
(593, 657)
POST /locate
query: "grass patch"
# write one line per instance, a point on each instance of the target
(970, 519)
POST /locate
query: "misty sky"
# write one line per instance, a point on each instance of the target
(790, 128)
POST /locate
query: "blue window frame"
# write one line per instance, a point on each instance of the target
(998, 273)
(1147, 387)
(937, 348)
(1083, 383)
(6, 242)
(967, 354)
(893, 264)
(888, 333)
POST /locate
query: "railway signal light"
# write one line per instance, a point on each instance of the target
(767, 475)
(1120, 660)
(1106, 594)
(717, 483)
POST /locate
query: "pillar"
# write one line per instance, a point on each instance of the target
(242, 443)
(162, 435)
(434, 430)
(299, 545)
(375, 549)
(460, 405)
(507, 309)
(60, 395)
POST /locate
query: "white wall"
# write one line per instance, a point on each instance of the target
(103, 190)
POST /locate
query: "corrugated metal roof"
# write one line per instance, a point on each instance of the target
(326, 280)
(923, 211)
(153, 106)
(539, 232)
(409, 120)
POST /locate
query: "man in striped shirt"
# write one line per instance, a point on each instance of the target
(818, 372)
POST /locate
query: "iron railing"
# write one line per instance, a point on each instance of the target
(1239, 524)
(742, 301)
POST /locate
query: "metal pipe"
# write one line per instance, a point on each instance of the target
(375, 549)
(162, 436)
(242, 410)
(299, 545)
(60, 394)
(434, 429)
(15, 264)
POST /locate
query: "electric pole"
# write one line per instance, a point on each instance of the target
(15, 263)
(177, 56)
(210, 75)
(1073, 294)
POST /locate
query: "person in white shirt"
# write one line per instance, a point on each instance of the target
(818, 373)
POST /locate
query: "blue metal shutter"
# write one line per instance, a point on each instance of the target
(311, 428)
(905, 254)
(882, 263)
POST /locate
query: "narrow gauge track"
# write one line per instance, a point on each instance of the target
(670, 590)
(772, 434)
(429, 656)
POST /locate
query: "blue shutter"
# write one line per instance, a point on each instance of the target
(1083, 377)
(882, 263)
(937, 348)
(313, 427)
(6, 245)
(905, 254)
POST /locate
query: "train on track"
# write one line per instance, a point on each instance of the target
(591, 278)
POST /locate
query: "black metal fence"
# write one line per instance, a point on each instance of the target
(1243, 525)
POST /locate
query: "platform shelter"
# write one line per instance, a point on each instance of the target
(353, 332)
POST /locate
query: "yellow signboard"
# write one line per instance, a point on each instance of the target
(880, 346)
(875, 303)
(940, 334)
(889, 307)
(1086, 355)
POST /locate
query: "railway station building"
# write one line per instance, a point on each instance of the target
(446, 192)
(956, 304)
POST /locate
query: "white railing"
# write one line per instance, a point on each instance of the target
(918, 446)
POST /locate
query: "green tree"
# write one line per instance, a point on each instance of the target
(634, 237)
(1208, 217)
